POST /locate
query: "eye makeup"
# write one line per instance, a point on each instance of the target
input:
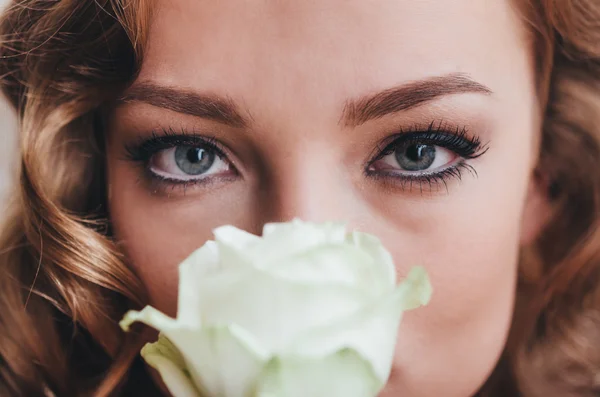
(441, 139)
(417, 157)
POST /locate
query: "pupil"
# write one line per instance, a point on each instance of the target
(195, 155)
(415, 152)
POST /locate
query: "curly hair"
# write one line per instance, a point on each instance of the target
(65, 284)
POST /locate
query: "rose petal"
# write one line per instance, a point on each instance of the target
(201, 264)
(235, 246)
(282, 240)
(274, 310)
(331, 232)
(221, 360)
(415, 290)
(372, 331)
(234, 237)
(383, 262)
(224, 361)
(342, 374)
(166, 359)
(149, 316)
(339, 264)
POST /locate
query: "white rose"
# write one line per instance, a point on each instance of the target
(307, 310)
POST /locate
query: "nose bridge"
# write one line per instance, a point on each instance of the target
(307, 185)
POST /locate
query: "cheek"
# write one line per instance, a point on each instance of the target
(157, 232)
(469, 242)
(469, 316)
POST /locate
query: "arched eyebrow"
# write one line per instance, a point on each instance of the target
(207, 106)
(407, 96)
(355, 112)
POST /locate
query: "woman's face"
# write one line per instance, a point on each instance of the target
(412, 120)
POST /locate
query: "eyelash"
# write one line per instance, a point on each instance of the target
(455, 139)
(142, 152)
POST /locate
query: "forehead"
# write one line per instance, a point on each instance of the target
(328, 50)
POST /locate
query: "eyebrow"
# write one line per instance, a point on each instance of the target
(355, 112)
(407, 96)
(184, 101)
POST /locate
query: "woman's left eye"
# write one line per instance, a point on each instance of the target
(415, 158)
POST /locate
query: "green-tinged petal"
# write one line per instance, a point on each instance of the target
(166, 359)
(234, 246)
(331, 232)
(200, 264)
(282, 240)
(372, 331)
(149, 316)
(414, 291)
(383, 262)
(224, 361)
(332, 264)
(205, 260)
(234, 237)
(342, 374)
(276, 311)
(234, 259)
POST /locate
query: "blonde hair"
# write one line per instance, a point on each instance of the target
(64, 282)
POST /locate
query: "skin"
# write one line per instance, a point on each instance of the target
(290, 68)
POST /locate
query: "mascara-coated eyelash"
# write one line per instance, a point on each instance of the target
(427, 181)
(143, 150)
(452, 143)
(159, 153)
(455, 139)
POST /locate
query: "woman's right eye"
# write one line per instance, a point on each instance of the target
(189, 163)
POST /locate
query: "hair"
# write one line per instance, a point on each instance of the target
(64, 281)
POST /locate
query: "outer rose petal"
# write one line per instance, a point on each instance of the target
(235, 246)
(149, 316)
(236, 238)
(330, 232)
(166, 359)
(274, 310)
(224, 361)
(383, 263)
(342, 374)
(379, 321)
(202, 263)
(283, 240)
(332, 264)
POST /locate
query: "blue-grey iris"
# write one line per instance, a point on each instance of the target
(194, 160)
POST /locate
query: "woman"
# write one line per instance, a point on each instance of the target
(464, 134)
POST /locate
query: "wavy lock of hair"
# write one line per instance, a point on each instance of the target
(64, 283)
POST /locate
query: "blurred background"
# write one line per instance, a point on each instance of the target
(7, 141)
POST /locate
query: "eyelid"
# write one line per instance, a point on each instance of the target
(162, 139)
(454, 138)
